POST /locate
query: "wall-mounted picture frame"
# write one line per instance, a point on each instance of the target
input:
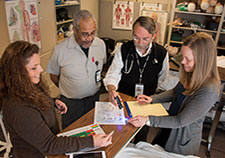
(160, 18)
(122, 15)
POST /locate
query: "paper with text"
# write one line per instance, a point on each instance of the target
(108, 114)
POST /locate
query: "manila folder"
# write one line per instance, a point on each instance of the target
(146, 109)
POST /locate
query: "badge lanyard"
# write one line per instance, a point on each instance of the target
(143, 68)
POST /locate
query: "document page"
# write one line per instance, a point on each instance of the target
(108, 114)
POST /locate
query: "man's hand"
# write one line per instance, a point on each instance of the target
(113, 94)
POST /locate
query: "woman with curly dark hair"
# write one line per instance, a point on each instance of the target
(28, 110)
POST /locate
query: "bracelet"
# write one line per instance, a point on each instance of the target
(147, 121)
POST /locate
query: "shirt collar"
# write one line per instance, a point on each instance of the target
(148, 51)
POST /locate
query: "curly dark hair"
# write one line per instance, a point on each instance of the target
(14, 78)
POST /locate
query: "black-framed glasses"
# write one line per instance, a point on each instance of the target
(86, 34)
(145, 39)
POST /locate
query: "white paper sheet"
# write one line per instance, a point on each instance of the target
(108, 114)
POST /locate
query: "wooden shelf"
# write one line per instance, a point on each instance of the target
(223, 48)
(178, 42)
(189, 28)
(64, 22)
(200, 17)
(66, 5)
(197, 13)
(59, 41)
(72, 9)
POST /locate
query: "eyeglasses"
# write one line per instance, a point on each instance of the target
(86, 34)
(145, 39)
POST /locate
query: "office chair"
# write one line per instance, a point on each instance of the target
(216, 119)
(7, 144)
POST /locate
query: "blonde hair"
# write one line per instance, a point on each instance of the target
(205, 69)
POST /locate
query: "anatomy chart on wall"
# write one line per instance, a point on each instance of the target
(22, 20)
(159, 16)
(122, 15)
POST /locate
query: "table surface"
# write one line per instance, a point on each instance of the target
(122, 133)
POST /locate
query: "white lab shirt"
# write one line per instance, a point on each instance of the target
(113, 75)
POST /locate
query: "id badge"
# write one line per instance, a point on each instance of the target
(139, 89)
(98, 76)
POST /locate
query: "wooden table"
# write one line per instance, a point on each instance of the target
(123, 134)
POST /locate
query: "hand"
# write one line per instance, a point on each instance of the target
(62, 108)
(112, 95)
(102, 140)
(143, 99)
(138, 121)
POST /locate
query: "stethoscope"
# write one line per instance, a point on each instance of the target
(131, 56)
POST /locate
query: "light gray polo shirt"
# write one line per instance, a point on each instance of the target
(77, 72)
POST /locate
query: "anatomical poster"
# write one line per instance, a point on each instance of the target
(122, 15)
(22, 20)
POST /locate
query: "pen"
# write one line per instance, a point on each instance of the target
(111, 133)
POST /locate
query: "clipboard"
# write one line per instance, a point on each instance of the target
(134, 109)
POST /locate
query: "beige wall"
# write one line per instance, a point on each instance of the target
(47, 21)
(105, 18)
(92, 6)
(4, 40)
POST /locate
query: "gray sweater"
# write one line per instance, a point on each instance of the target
(186, 133)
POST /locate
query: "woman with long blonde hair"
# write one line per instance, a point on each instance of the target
(192, 98)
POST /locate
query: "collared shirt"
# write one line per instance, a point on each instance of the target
(76, 70)
(113, 75)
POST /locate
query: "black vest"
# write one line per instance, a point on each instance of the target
(150, 74)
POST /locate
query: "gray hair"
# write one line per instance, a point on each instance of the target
(81, 14)
(147, 23)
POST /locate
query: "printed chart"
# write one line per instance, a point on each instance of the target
(84, 131)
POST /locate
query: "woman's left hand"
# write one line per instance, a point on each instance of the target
(61, 106)
(138, 121)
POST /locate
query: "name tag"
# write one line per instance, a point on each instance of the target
(98, 76)
(139, 89)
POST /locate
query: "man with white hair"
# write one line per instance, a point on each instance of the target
(76, 65)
